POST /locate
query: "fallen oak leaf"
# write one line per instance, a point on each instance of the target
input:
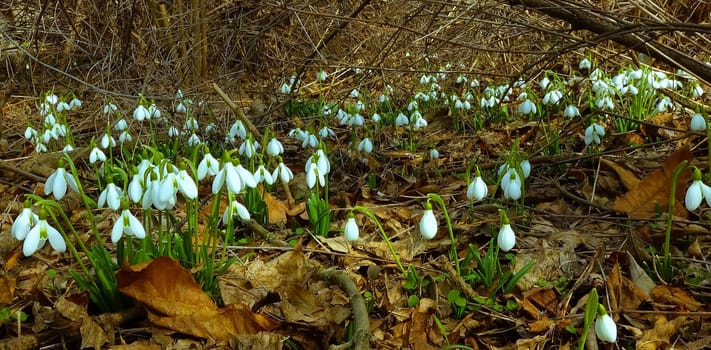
(174, 300)
(653, 191)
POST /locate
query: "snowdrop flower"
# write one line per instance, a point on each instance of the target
(593, 133)
(512, 185)
(51, 99)
(428, 222)
(121, 125)
(111, 196)
(274, 147)
(173, 132)
(30, 133)
(40, 147)
(552, 97)
(527, 107)
(63, 106)
(605, 327)
(235, 207)
(285, 89)
(194, 140)
(696, 192)
(128, 224)
(262, 174)
(109, 107)
(153, 112)
(477, 189)
(24, 222)
(191, 124)
(321, 161)
(107, 141)
(401, 120)
(312, 173)
(350, 230)
(237, 129)
(525, 168)
(434, 153)
(185, 184)
(75, 103)
(140, 113)
(321, 75)
(68, 148)
(283, 172)
(412, 105)
(545, 83)
(506, 239)
(228, 174)
(207, 166)
(585, 64)
(605, 102)
(40, 233)
(664, 104)
(181, 109)
(125, 136)
(57, 182)
(96, 154)
(359, 105)
(571, 111)
(326, 133)
(354, 93)
(248, 148)
(697, 91)
(698, 123)
(356, 120)
(365, 145)
(419, 123)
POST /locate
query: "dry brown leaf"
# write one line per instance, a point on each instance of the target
(277, 209)
(7, 290)
(92, 333)
(677, 296)
(422, 329)
(659, 336)
(628, 178)
(624, 293)
(175, 301)
(653, 191)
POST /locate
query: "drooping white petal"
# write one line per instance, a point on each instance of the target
(351, 231)
(428, 224)
(694, 195)
(506, 238)
(605, 329)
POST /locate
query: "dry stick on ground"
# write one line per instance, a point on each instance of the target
(627, 34)
(361, 334)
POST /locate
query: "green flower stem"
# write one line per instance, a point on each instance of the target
(88, 202)
(667, 269)
(60, 228)
(372, 217)
(453, 251)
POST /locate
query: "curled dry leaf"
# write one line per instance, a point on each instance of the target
(653, 191)
(175, 301)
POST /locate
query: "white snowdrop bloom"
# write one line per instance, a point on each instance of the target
(285, 89)
(125, 136)
(665, 104)
(262, 174)
(128, 224)
(191, 124)
(185, 184)
(210, 128)
(359, 105)
(525, 168)
(354, 93)
(24, 222)
(698, 123)
(312, 174)
(140, 113)
(419, 123)
(274, 147)
(48, 135)
(477, 189)
(110, 196)
(434, 153)
(635, 74)
(412, 105)
(527, 107)
(227, 175)
(40, 147)
(321, 75)
(153, 112)
(593, 133)
(365, 145)
(584, 64)
(63, 106)
(605, 329)
(194, 140)
(310, 140)
(474, 83)
(545, 83)
(173, 132)
(109, 107)
(181, 108)
(96, 154)
(283, 172)
(696, 192)
(57, 183)
(30, 134)
(60, 130)
(571, 111)
(235, 209)
(401, 120)
(697, 91)
(605, 102)
(248, 148)
(107, 141)
(238, 130)
(39, 234)
(350, 230)
(208, 166)
(383, 98)
(356, 120)
(506, 238)
(246, 176)
(424, 79)
(75, 103)
(51, 99)
(552, 97)
(326, 133)
(458, 104)
(68, 148)
(50, 121)
(121, 125)
(44, 109)
(428, 223)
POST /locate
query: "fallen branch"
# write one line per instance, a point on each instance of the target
(361, 334)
